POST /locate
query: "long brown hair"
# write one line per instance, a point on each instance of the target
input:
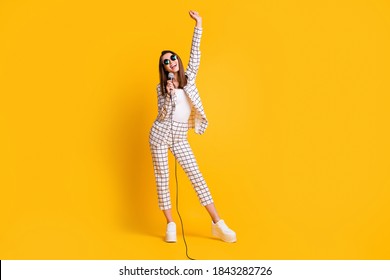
(164, 74)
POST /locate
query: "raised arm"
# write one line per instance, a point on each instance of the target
(194, 62)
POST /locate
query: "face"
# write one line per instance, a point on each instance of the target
(170, 62)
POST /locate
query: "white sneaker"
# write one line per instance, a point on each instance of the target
(222, 231)
(170, 235)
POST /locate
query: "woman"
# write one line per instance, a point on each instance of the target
(180, 108)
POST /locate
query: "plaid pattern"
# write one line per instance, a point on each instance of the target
(178, 144)
(167, 134)
(198, 119)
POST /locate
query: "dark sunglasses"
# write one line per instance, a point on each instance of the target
(167, 61)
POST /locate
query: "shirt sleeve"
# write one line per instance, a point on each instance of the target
(194, 62)
(162, 103)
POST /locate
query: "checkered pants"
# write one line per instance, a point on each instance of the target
(176, 141)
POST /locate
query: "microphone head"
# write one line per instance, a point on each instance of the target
(171, 76)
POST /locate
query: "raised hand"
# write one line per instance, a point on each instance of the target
(195, 15)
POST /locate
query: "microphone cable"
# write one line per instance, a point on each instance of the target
(177, 210)
(177, 183)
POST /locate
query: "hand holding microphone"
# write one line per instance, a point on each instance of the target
(170, 86)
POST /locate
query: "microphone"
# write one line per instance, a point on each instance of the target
(170, 78)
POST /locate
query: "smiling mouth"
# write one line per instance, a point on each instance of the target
(173, 66)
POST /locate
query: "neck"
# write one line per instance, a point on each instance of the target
(176, 80)
(176, 76)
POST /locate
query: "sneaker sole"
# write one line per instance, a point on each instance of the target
(229, 239)
(170, 237)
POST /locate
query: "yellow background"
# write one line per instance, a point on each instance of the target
(296, 153)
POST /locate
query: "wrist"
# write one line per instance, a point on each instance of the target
(199, 24)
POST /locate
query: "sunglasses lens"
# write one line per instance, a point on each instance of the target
(173, 57)
(166, 61)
